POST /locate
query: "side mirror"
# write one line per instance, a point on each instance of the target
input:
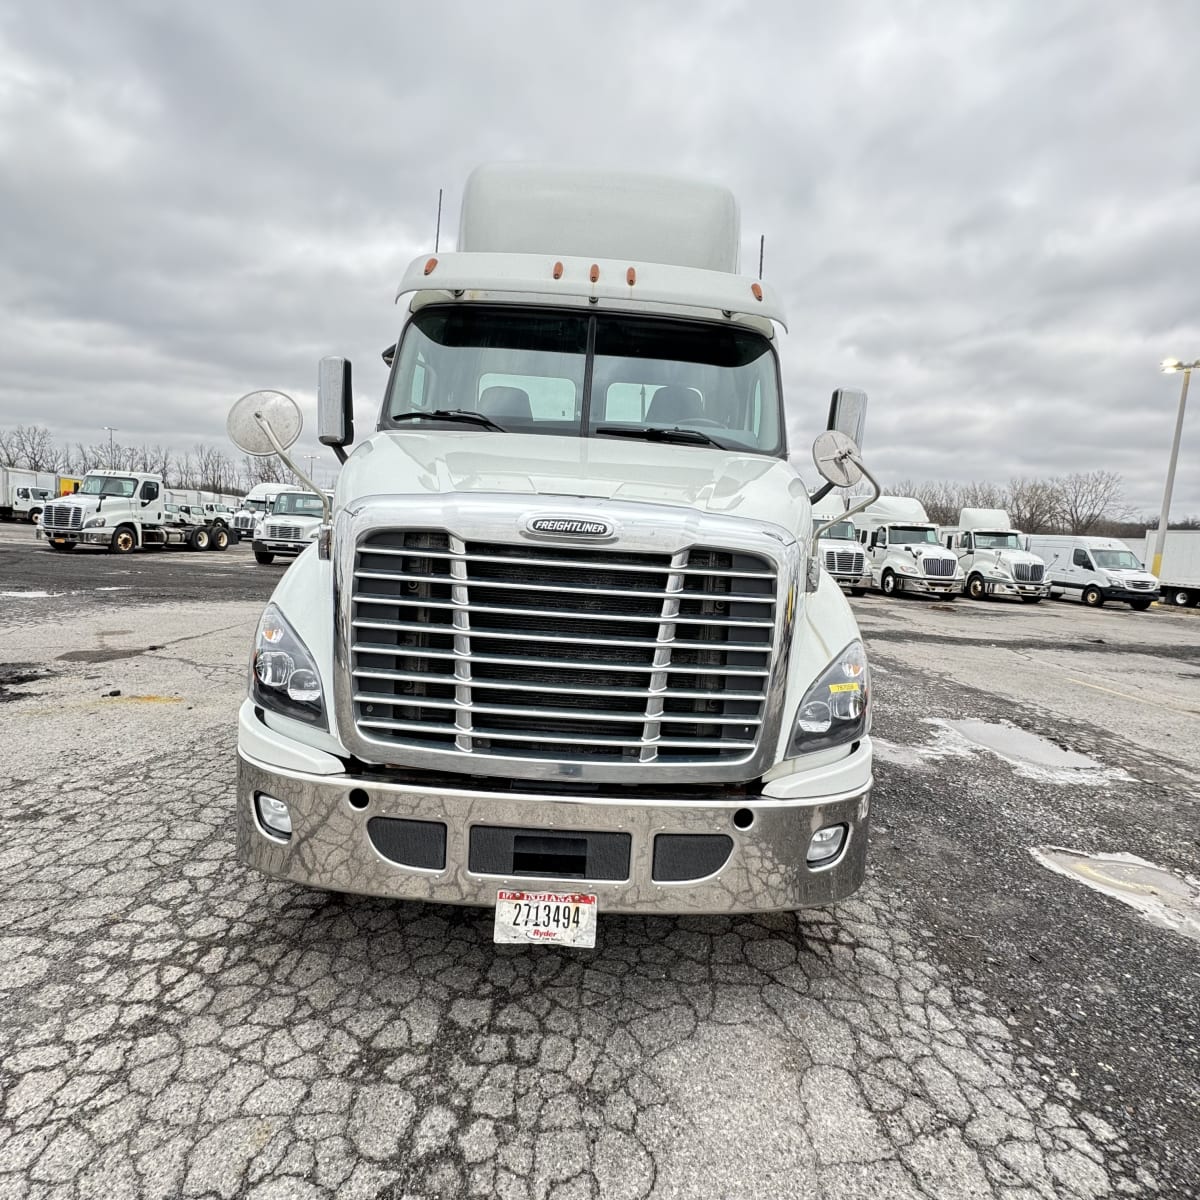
(335, 404)
(389, 354)
(837, 458)
(848, 414)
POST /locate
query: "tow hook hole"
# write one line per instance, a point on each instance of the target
(743, 819)
(358, 798)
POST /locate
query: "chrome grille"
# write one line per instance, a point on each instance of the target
(551, 652)
(943, 567)
(285, 533)
(1140, 585)
(845, 562)
(62, 516)
(1028, 572)
(245, 522)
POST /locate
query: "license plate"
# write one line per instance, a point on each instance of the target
(568, 918)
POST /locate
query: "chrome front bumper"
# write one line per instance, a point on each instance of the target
(330, 847)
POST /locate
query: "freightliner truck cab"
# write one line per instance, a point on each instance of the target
(563, 645)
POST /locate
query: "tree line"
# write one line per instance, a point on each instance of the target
(204, 468)
(1086, 502)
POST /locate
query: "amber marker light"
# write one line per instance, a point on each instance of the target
(631, 277)
(594, 273)
(558, 270)
(430, 265)
(756, 290)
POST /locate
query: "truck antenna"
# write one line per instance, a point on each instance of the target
(762, 246)
(437, 235)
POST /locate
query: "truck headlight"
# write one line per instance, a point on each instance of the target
(95, 522)
(835, 709)
(283, 674)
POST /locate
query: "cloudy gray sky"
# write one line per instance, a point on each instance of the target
(986, 215)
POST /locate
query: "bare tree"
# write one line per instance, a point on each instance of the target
(1086, 497)
(33, 447)
(8, 448)
(1033, 505)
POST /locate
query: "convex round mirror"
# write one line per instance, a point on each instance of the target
(836, 457)
(254, 410)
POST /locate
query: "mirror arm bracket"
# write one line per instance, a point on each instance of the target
(339, 453)
(813, 577)
(266, 428)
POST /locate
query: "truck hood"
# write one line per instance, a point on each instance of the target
(88, 504)
(720, 482)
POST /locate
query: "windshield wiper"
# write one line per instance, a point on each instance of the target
(453, 414)
(653, 433)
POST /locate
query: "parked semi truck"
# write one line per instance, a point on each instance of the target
(23, 493)
(1179, 573)
(1094, 569)
(838, 546)
(291, 526)
(564, 644)
(903, 551)
(123, 511)
(992, 557)
(255, 505)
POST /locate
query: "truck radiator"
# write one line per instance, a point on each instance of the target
(284, 533)
(845, 562)
(1028, 572)
(941, 567)
(559, 653)
(62, 516)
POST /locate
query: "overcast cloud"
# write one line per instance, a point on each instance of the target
(987, 216)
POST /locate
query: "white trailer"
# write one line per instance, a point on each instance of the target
(1179, 572)
(23, 493)
(122, 511)
(555, 657)
(903, 551)
(992, 557)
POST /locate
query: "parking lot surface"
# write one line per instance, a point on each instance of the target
(972, 1024)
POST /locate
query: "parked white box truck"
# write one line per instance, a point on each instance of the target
(255, 505)
(903, 551)
(564, 645)
(124, 511)
(23, 493)
(992, 557)
(1179, 573)
(1094, 569)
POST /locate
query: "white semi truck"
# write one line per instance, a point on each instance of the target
(840, 551)
(255, 505)
(564, 644)
(291, 525)
(123, 511)
(24, 493)
(903, 551)
(992, 557)
(1179, 572)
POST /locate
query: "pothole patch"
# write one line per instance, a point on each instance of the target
(1166, 899)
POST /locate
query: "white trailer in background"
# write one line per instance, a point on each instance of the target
(838, 546)
(992, 557)
(23, 493)
(903, 551)
(1179, 573)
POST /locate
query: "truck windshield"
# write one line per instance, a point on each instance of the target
(843, 531)
(537, 371)
(906, 535)
(108, 485)
(997, 541)
(297, 504)
(1116, 560)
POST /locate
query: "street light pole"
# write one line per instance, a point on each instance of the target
(1170, 366)
(310, 458)
(111, 430)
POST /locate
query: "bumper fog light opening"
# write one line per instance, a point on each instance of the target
(825, 845)
(274, 816)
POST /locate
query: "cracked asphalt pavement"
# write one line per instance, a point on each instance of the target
(970, 1025)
